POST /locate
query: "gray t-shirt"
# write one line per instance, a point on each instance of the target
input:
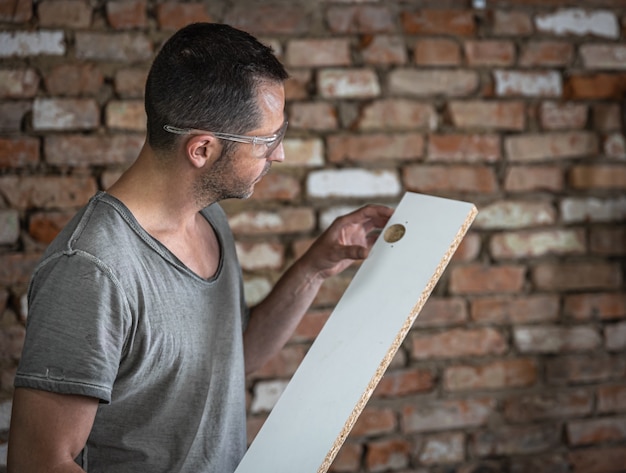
(114, 315)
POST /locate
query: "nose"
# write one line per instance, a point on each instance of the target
(277, 154)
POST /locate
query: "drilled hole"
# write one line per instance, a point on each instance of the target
(394, 233)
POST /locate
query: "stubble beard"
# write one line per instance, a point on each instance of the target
(220, 182)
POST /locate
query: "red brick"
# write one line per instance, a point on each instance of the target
(555, 339)
(446, 22)
(563, 116)
(16, 11)
(283, 364)
(17, 268)
(548, 405)
(47, 191)
(546, 53)
(375, 147)
(104, 46)
(64, 13)
(12, 115)
(607, 117)
(310, 326)
(458, 178)
(374, 421)
(127, 14)
(598, 460)
(360, 19)
(425, 82)
(387, 454)
(65, 114)
(576, 276)
(598, 176)
(318, 52)
(87, 150)
(383, 50)
(468, 250)
(577, 369)
(502, 374)
(12, 341)
(45, 226)
(74, 80)
(275, 186)
(447, 414)
(489, 53)
(316, 116)
(531, 243)
(458, 343)
(269, 19)
(602, 306)
(511, 23)
(551, 146)
(296, 87)
(603, 56)
(388, 114)
(406, 382)
(479, 279)
(515, 310)
(331, 291)
(608, 241)
(464, 148)
(498, 115)
(438, 312)
(534, 178)
(130, 82)
(348, 458)
(18, 152)
(599, 86)
(348, 83)
(18, 83)
(612, 398)
(514, 440)
(174, 15)
(126, 115)
(437, 52)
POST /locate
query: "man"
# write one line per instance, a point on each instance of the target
(138, 339)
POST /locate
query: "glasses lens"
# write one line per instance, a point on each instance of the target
(270, 147)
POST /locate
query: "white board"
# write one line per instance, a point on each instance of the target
(336, 378)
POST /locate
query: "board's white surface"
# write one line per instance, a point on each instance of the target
(318, 408)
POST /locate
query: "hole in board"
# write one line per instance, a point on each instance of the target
(394, 233)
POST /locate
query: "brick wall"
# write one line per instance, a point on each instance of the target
(517, 363)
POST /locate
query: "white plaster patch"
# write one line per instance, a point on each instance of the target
(577, 21)
(353, 183)
(529, 84)
(266, 395)
(35, 43)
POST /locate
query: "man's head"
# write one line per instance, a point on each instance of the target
(207, 76)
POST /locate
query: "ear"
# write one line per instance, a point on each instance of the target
(202, 150)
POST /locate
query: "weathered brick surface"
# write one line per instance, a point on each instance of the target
(516, 362)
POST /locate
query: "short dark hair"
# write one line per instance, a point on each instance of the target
(207, 76)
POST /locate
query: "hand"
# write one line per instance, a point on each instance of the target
(349, 238)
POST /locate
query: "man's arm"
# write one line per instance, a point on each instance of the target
(275, 318)
(48, 431)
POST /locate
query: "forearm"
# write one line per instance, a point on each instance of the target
(274, 319)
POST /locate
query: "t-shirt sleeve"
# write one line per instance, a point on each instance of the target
(77, 327)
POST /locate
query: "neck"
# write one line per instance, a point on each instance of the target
(159, 194)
